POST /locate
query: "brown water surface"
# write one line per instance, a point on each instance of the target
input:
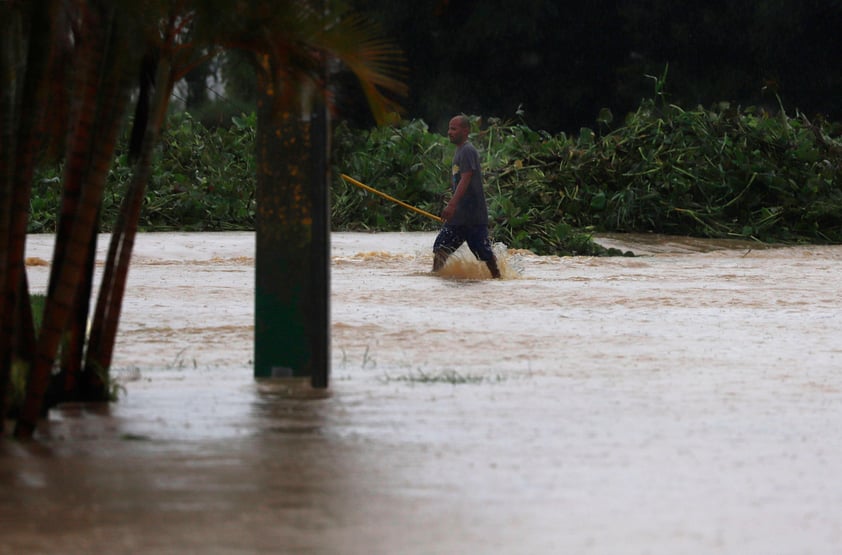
(686, 400)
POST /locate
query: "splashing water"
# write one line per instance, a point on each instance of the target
(462, 264)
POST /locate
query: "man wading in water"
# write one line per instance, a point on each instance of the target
(466, 215)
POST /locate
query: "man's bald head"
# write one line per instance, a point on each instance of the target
(458, 129)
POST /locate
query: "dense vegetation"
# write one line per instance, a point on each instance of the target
(724, 172)
(720, 172)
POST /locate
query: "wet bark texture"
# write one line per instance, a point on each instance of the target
(103, 86)
(23, 126)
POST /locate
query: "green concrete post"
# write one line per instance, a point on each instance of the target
(292, 258)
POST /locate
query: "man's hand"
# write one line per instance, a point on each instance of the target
(448, 211)
(461, 188)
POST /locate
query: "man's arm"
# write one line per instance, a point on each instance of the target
(461, 188)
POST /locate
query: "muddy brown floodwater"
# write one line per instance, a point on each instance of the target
(687, 400)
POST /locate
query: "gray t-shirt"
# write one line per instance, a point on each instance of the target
(472, 209)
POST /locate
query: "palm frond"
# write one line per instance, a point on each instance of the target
(302, 36)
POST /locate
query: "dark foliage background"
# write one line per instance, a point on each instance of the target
(563, 61)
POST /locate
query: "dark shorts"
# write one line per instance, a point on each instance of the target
(451, 238)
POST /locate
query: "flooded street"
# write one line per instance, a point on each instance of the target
(686, 400)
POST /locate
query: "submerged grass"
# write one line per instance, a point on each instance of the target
(445, 376)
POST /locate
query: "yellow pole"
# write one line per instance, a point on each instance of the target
(387, 197)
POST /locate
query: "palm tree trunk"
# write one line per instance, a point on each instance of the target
(109, 303)
(25, 340)
(67, 385)
(104, 90)
(23, 123)
(9, 41)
